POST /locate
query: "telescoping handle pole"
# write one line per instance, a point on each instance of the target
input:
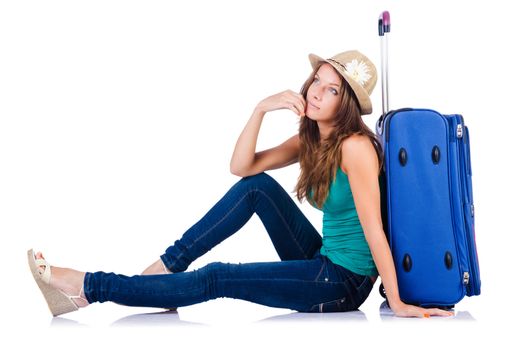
(383, 30)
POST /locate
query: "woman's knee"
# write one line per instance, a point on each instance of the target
(213, 270)
(210, 274)
(256, 178)
(259, 181)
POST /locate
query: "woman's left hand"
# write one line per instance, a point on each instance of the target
(406, 310)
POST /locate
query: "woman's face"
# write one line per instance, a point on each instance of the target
(324, 94)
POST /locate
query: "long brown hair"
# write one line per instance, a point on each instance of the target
(319, 159)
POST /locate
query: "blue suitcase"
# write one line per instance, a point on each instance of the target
(428, 200)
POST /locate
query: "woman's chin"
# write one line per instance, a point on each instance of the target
(310, 116)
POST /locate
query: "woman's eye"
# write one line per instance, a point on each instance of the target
(334, 91)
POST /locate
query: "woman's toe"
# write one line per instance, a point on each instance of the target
(41, 268)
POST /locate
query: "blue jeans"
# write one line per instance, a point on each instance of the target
(304, 280)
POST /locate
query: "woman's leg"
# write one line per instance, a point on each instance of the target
(293, 236)
(313, 285)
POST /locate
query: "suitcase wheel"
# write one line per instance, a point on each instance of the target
(382, 291)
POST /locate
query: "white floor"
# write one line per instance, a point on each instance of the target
(214, 314)
(234, 324)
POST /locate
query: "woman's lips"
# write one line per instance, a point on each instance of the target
(312, 105)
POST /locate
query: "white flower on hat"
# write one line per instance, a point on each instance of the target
(358, 71)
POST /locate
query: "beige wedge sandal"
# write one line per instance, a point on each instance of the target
(58, 302)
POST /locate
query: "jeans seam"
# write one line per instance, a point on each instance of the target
(235, 206)
(320, 271)
(276, 279)
(216, 224)
(320, 308)
(285, 223)
(365, 280)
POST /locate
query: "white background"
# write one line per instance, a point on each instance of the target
(117, 123)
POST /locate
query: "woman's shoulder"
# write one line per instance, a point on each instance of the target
(356, 142)
(357, 149)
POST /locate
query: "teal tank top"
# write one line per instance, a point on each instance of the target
(344, 241)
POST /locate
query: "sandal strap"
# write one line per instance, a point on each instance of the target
(78, 296)
(165, 268)
(46, 275)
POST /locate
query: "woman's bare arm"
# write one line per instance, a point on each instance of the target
(245, 160)
(360, 163)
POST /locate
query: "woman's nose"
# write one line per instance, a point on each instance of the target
(317, 93)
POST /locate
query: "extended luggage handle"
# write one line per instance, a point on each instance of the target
(383, 29)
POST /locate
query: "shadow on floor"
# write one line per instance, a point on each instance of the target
(154, 319)
(386, 314)
(172, 318)
(296, 317)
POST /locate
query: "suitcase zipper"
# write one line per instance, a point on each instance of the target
(463, 196)
(460, 131)
(473, 286)
(466, 278)
(470, 277)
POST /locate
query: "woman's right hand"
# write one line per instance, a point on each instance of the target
(404, 310)
(284, 100)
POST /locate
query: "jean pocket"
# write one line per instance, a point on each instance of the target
(338, 305)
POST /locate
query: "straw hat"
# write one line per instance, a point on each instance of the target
(359, 72)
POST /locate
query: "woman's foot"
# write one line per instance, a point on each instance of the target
(69, 281)
(157, 268)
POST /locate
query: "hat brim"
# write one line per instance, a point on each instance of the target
(362, 95)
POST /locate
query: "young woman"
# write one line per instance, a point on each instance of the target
(340, 160)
